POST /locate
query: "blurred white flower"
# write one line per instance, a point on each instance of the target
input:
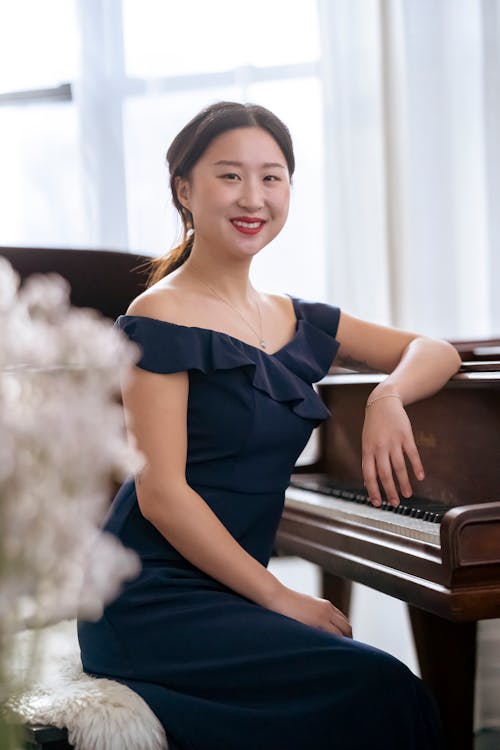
(9, 283)
(63, 444)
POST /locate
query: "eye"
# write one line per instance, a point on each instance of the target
(272, 178)
(231, 176)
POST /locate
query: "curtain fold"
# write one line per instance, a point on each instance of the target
(98, 92)
(412, 115)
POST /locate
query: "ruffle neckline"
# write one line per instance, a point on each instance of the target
(285, 375)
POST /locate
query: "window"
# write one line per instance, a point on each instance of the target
(90, 170)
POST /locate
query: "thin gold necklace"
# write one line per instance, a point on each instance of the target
(259, 335)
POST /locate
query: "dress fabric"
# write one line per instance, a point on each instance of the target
(220, 671)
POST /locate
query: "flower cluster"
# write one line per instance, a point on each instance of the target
(63, 445)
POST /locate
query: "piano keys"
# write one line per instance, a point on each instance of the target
(415, 518)
(440, 551)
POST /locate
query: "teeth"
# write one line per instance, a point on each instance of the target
(248, 224)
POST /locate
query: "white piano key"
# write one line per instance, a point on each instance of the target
(333, 507)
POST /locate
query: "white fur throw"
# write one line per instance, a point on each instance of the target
(99, 714)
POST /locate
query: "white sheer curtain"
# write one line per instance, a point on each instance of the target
(412, 114)
(393, 105)
(92, 172)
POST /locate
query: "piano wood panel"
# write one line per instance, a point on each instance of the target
(448, 587)
(461, 466)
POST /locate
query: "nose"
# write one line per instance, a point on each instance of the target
(251, 195)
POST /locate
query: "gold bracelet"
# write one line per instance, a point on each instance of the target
(377, 398)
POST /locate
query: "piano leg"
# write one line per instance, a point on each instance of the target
(337, 591)
(447, 656)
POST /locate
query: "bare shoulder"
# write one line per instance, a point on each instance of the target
(280, 302)
(161, 301)
(278, 297)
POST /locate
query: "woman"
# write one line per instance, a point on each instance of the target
(221, 405)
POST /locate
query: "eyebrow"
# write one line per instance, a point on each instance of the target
(267, 165)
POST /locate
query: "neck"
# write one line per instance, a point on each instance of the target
(228, 276)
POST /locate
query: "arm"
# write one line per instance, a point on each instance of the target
(418, 367)
(156, 408)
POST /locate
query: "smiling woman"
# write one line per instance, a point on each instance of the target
(250, 224)
(221, 404)
(200, 158)
(258, 186)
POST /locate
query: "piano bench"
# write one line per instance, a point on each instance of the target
(45, 738)
(92, 711)
(51, 738)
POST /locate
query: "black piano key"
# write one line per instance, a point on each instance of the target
(347, 495)
(415, 507)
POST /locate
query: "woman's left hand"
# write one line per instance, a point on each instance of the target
(387, 437)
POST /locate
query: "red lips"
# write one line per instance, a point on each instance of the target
(248, 225)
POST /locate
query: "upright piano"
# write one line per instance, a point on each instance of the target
(440, 551)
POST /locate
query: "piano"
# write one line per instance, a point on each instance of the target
(440, 552)
(478, 349)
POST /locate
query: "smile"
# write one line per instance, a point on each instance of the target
(248, 226)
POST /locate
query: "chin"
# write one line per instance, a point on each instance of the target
(258, 242)
(252, 250)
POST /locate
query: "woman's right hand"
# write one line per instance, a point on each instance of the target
(311, 610)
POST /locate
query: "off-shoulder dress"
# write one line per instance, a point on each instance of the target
(220, 671)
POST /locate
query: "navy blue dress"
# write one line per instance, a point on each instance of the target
(220, 671)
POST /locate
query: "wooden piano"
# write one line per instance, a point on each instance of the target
(440, 553)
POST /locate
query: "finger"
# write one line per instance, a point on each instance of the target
(340, 620)
(338, 614)
(399, 469)
(344, 628)
(384, 471)
(370, 479)
(411, 451)
(333, 629)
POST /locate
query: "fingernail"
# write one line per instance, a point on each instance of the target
(421, 475)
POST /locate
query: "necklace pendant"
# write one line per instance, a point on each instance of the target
(263, 344)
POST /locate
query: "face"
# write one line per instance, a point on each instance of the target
(238, 192)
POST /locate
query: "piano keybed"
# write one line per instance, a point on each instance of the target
(414, 518)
